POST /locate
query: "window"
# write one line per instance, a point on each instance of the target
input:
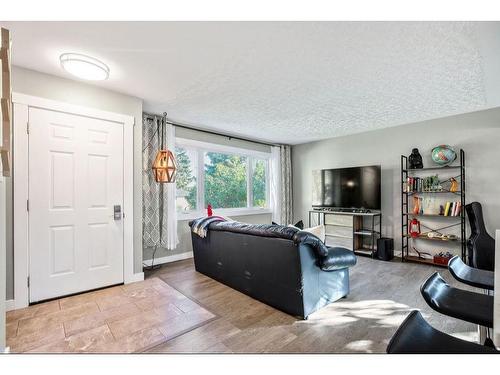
(186, 197)
(224, 177)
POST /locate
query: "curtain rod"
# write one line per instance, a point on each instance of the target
(212, 132)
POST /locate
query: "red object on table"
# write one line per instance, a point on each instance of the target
(209, 210)
(442, 259)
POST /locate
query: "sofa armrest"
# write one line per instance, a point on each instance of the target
(310, 239)
(338, 258)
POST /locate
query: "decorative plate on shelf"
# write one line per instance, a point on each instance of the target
(443, 155)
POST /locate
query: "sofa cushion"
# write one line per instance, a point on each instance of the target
(318, 231)
(338, 258)
(299, 224)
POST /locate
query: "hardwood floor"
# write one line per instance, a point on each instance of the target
(381, 296)
(177, 310)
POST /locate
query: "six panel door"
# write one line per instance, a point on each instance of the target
(75, 180)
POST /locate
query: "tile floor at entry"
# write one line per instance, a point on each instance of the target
(127, 318)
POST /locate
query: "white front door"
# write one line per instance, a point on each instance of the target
(75, 182)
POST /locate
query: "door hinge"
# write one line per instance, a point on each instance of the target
(27, 205)
(28, 281)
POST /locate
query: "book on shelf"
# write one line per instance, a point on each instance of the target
(447, 209)
(453, 208)
(422, 184)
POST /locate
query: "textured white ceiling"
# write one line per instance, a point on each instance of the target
(289, 82)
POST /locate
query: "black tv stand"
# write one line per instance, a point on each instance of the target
(351, 228)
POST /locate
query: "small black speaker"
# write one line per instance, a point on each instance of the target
(385, 248)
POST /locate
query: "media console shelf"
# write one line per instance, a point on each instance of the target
(356, 231)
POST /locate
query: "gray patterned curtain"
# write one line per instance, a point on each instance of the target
(159, 227)
(286, 185)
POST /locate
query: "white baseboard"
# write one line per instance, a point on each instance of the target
(10, 305)
(134, 278)
(169, 258)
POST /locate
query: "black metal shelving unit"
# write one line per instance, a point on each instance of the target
(407, 215)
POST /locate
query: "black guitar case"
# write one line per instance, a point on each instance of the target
(480, 245)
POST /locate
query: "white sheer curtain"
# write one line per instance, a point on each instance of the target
(286, 185)
(275, 184)
(280, 169)
(171, 238)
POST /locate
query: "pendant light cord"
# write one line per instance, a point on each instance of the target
(162, 142)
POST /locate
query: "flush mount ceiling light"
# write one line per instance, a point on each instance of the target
(84, 67)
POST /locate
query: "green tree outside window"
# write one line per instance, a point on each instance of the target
(259, 183)
(225, 182)
(185, 181)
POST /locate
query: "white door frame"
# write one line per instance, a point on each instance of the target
(22, 103)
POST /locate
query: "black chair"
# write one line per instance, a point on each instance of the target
(480, 245)
(416, 336)
(461, 304)
(471, 276)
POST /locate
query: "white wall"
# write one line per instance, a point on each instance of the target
(30, 82)
(2, 264)
(183, 230)
(478, 133)
(47, 86)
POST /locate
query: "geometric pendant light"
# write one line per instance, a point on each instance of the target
(165, 167)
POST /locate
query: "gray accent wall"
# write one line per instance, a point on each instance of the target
(478, 133)
(33, 83)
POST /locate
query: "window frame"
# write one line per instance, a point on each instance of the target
(203, 147)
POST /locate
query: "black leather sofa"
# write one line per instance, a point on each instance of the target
(283, 267)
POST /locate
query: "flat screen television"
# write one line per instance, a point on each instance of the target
(357, 188)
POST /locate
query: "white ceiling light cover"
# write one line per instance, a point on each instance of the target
(84, 67)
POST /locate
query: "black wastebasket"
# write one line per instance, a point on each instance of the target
(385, 248)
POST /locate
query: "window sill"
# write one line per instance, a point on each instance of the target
(230, 212)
